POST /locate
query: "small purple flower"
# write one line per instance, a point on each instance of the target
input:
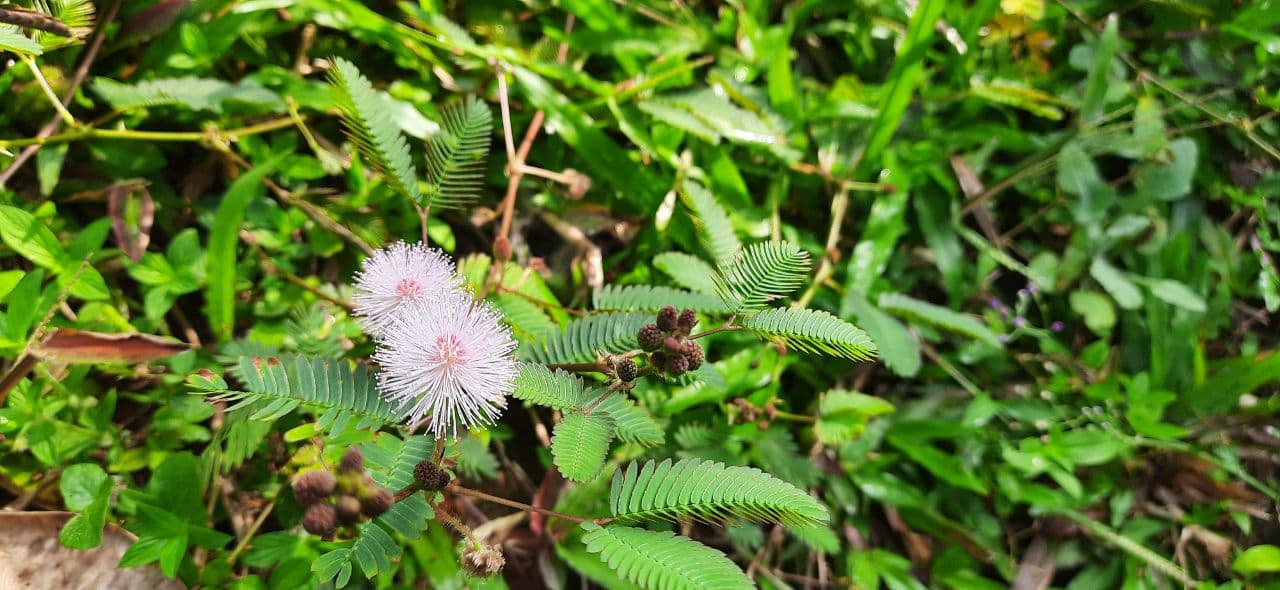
(1019, 322)
(1023, 293)
(1057, 326)
(1032, 288)
(1002, 338)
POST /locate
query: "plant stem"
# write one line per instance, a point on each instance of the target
(248, 535)
(520, 505)
(727, 327)
(97, 133)
(48, 91)
(826, 268)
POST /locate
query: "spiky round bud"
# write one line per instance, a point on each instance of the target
(483, 561)
(650, 337)
(687, 320)
(352, 462)
(348, 510)
(320, 519)
(424, 474)
(677, 364)
(658, 359)
(667, 318)
(693, 353)
(442, 479)
(626, 370)
(673, 345)
(313, 486)
(377, 503)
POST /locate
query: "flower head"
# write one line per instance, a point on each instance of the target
(399, 277)
(453, 361)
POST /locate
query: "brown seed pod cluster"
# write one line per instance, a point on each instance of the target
(344, 500)
(671, 352)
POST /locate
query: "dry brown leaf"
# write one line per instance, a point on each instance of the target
(32, 559)
(66, 345)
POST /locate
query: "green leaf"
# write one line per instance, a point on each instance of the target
(197, 94)
(904, 76)
(1098, 314)
(580, 443)
(936, 315)
(843, 415)
(335, 390)
(560, 390)
(371, 129)
(1125, 293)
(688, 271)
(1169, 181)
(222, 247)
(86, 489)
(1078, 175)
(811, 331)
(30, 238)
(897, 346)
(456, 154)
(884, 225)
(1259, 558)
(945, 466)
(650, 298)
(584, 337)
(762, 273)
(631, 422)
(661, 560)
(12, 39)
(1095, 95)
(715, 231)
(1176, 293)
(709, 491)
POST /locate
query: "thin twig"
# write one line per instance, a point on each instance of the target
(249, 533)
(521, 505)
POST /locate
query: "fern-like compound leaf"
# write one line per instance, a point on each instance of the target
(688, 271)
(77, 15)
(631, 422)
(662, 560)
(953, 321)
(456, 155)
(651, 298)
(709, 491)
(812, 331)
(715, 231)
(369, 125)
(579, 444)
(762, 273)
(340, 395)
(556, 389)
(585, 337)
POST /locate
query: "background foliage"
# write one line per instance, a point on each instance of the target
(1057, 221)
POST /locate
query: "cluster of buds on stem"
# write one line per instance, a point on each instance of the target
(670, 351)
(331, 502)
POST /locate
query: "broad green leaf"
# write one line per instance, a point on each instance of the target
(904, 76)
(843, 415)
(1098, 314)
(25, 233)
(897, 346)
(1172, 180)
(1257, 559)
(1120, 288)
(923, 311)
(223, 239)
(1176, 293)
(86, 489)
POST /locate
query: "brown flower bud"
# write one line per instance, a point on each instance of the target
(377, 503)
(673, 345)
(650, 337)
(313, 486)
(320, 519)
(578, 182)
(667, 318)
(352, 462)
(626, 370)
(425, 473)
(348, 510)
(688, 318)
